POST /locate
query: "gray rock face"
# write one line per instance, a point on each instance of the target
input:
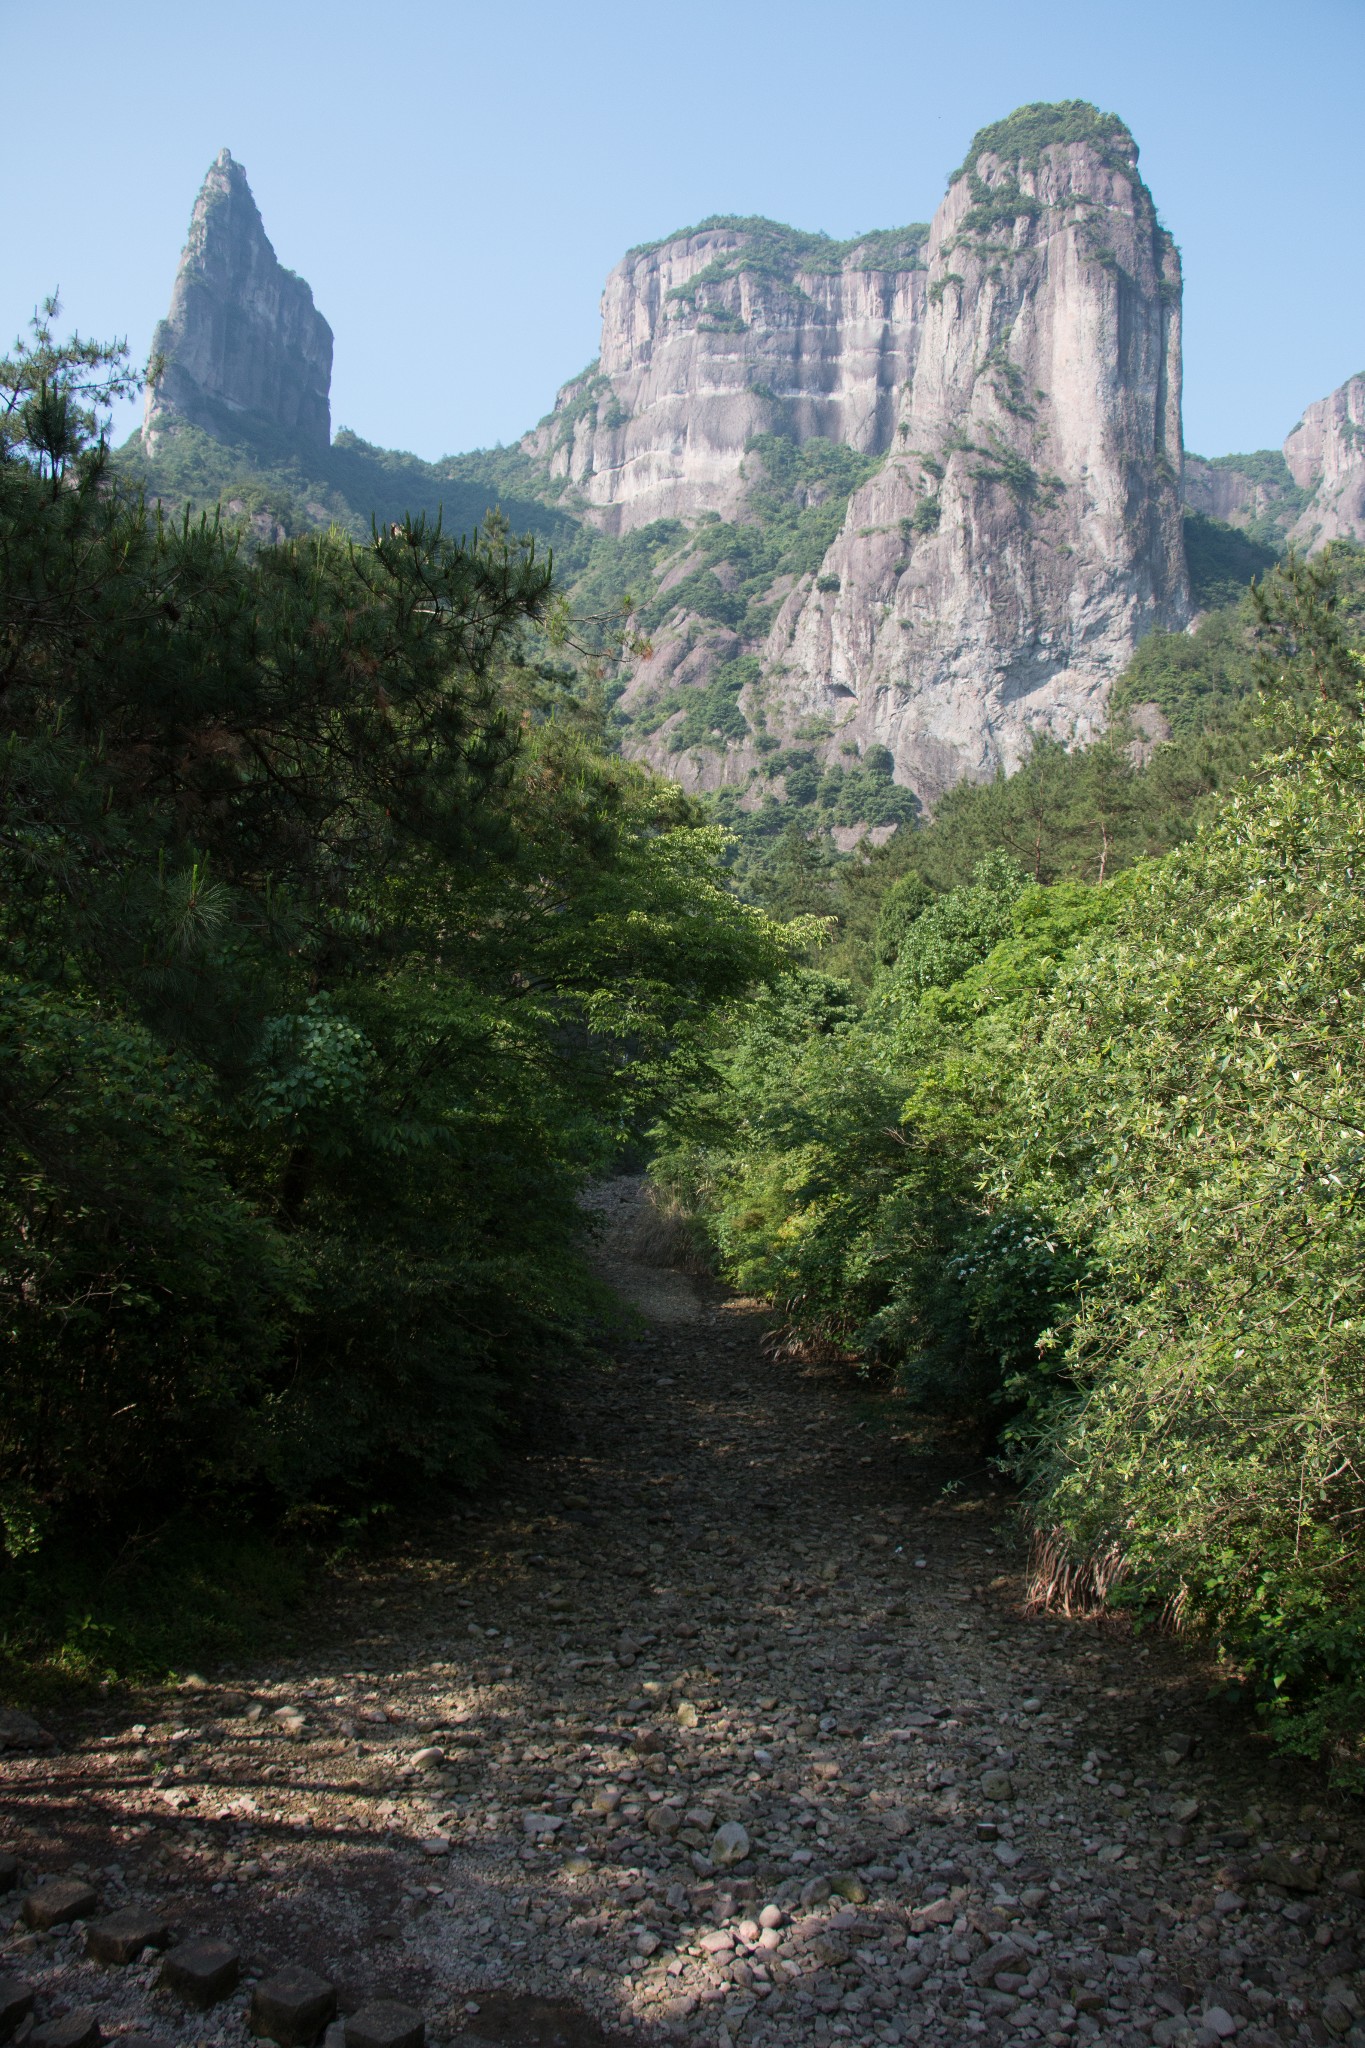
(1024, 530)
(1326, 454)
(816, 338)
(1239, 496)
(243, 337)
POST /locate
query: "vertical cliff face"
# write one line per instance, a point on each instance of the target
(1025, 530)
(242, 340)
(1326, 455)
(737, 328)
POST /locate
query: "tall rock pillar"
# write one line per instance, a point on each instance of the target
(1025, 531)
(243, 346)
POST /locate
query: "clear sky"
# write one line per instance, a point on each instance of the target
(455, 181)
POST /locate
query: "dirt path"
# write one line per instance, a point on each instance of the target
(728, 1619)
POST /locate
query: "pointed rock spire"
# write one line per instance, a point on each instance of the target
(243, 345)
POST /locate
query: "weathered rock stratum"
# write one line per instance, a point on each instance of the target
(243, 344)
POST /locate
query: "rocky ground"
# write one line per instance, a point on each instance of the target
(724, 1724)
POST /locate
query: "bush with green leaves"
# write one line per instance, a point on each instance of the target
(1195, 1119)
(1087, 1167)
(841, 1174)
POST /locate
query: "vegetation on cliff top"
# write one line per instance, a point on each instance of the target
(1021, 137)
(772, 250)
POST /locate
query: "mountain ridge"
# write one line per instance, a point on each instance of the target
(973, 570)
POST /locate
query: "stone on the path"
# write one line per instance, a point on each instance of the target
(1284, 1874)
(730, 1845)
(121, 1937)
(291, 2008)
(9, 1872)
(997, 1785)
(1219, 2021)
(851, 1887)
(936, 1913)
(61, 1900)
(1003, 1954)
(436, 1845)
(290, 1720)
(687, 1714)
(201, 1972)
(79, 2029)
(429, 1759)
(21, 1731)
(386, 2024)
(540, 1826)
(16, 2003)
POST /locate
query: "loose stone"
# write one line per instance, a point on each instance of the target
(201, 1972)
(61, 1900)
(386, 2024)
(122, 1936)
(731, 1844)
(292, 2008)
(79, 2029)
(16, 2003)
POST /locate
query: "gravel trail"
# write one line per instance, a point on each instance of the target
(723, 1724)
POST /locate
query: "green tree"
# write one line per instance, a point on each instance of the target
(337, 951)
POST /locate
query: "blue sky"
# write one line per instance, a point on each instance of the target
(456, 181)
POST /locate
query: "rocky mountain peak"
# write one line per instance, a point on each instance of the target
(243, 347)
(1022, 530)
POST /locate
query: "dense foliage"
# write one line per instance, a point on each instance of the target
(1084, 1165)
(336, 953)
(773, 251)
(1021, 137)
